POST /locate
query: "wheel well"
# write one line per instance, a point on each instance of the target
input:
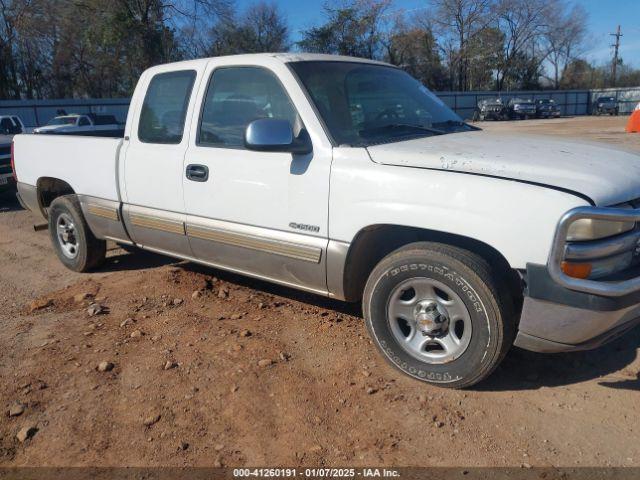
(49, 189)
(375, 242)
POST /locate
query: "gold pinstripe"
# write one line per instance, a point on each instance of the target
(102, 211)
(155, 223)
(277, 247)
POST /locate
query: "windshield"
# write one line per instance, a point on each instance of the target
(63, 121)
(365, 104)
(606, 99)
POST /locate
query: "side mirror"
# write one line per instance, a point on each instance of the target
(274, 135)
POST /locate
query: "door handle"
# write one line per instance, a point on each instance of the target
(197, 173)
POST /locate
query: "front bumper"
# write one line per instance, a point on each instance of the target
(563, 313)
(557, 319)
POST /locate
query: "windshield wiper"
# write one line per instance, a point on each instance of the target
(399, 126)
(456, 123)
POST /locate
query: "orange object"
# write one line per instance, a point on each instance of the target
(633, 125)
(576, 270)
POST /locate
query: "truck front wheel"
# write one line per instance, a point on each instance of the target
(76, 246)
(436, 313)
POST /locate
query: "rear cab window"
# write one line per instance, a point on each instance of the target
(164, 109)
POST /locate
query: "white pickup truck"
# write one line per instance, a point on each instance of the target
(348, 178)
(77, 124)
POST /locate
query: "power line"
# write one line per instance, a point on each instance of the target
(616, 47)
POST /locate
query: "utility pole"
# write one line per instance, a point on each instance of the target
(616, 47)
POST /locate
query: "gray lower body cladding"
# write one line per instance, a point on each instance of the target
(556, 319)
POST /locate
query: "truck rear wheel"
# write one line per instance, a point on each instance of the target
(76, 246)
(436, 314)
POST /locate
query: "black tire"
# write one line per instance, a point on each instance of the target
(89, 251)
(469, 276)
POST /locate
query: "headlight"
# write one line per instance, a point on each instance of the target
(589, 229)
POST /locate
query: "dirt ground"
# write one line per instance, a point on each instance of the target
(211, 368)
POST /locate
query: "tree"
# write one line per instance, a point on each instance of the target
(580, 74)
(484, 57)
(564, 37)
(460, 21)
(415, 50)
(522, 23)
(262, 28)
(354, 29)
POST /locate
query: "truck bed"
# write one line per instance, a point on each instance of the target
(87, 164)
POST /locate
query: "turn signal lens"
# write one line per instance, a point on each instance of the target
(576, 270)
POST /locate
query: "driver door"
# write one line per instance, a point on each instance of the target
(259, 213)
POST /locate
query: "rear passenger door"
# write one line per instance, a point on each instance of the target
(259, 213)
(157, 141)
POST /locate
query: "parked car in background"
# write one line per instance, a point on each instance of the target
(490, 109)
(547, 108)
(605, 105)
(80, 124)
(521, 108)
(458, 242)
(6, 172)
(11, 125)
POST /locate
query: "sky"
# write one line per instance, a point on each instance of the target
(604, 17)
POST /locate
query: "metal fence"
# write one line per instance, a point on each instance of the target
(571, 102)
(35, 113)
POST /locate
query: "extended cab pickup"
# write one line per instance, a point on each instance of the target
(348, 178)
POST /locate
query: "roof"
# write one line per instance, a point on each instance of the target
(283, 57)
(320, 57)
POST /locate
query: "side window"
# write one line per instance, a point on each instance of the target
(18, 123)
(6, 125)
(83, 122)
(165, 107)
(235, 97)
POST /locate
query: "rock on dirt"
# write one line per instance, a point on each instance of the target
(151, 419)
(26, 432)
(265, 362)
(126, 322)
(16, 409)
(169, 365)
(82, 297)
(40, 304)
(105, 366)
(96, 309)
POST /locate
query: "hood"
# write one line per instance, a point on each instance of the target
(605, 174)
